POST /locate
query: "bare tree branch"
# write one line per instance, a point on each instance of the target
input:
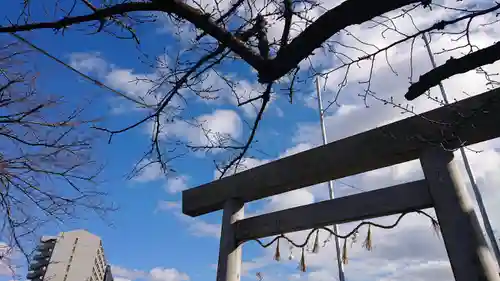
(47, 170)
(323, 28)
(453, 67)
(177, 7)
(287, 14)
(195, 69)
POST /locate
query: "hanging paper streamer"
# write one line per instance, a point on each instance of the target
(354, 238)
(302, 264)
(316, 243)
(368, 241)
(344, 253)
(277, 255)
(290, 256)
(327, 239)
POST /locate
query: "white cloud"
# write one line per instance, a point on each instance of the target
(195, 225)
(140, 86)
(167, 274)
(200, 228)
(168, 205)
(224, 122)
(155, 274)
(148, 172)
(88, 63)
(177, 184)
(126, 273)
(289, 200)
(135, 84)
(121, 279)
(431, 270)
(207, 130)
(248, 266)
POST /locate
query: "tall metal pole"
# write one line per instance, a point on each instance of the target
(330, 183)
(475, 189)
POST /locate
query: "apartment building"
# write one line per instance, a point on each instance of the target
(76, 255)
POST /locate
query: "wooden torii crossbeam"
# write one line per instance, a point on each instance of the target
(430, 137)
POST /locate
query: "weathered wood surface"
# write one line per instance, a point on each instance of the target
(470, 257)
(381, 202)
(452, 125)
(229, 265)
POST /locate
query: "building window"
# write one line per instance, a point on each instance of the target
(94, 274)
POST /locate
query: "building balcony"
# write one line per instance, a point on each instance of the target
(37, 264)
(34, 274)
(42, 255)
(45, 246)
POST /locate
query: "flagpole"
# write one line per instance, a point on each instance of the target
(330, 183)
(475, 189)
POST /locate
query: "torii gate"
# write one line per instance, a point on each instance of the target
(429, 137)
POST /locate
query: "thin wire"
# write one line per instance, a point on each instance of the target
(95, 81)
(351, 186)
(475, 189)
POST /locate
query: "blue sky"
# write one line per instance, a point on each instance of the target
(148, 239)
(138, 235)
